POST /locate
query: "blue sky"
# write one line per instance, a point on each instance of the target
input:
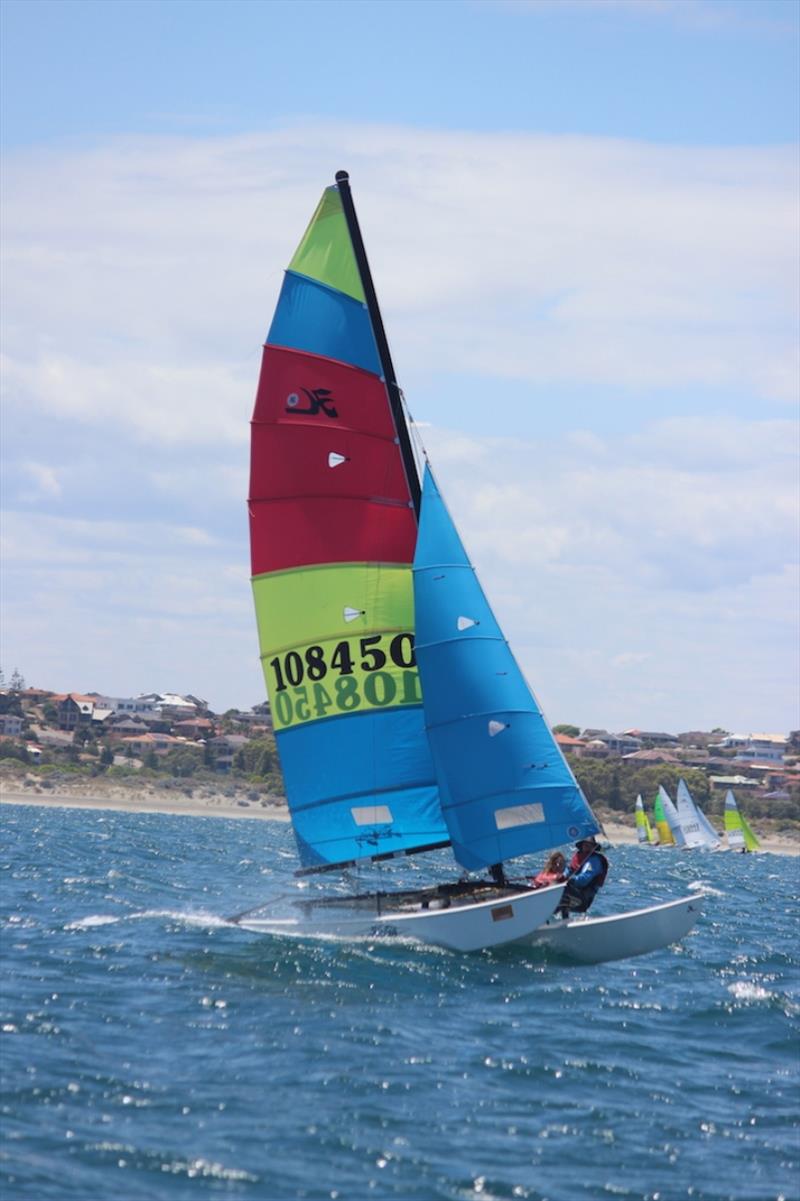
(582, 220)
(688, 71)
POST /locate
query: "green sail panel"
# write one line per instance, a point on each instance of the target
(337, 640)
(326, 252)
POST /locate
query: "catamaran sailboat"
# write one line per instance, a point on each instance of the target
(740, 836)
(403, 722)
(697, 829)
(645, 834)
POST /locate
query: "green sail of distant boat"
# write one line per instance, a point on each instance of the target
(645, 833)
(740, 836)
(662, 825)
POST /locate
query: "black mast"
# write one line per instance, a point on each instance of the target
(395, 399)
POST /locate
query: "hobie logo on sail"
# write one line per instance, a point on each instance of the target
(319, 401)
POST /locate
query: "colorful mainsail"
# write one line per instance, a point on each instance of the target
(333, 530)
(505, 788)
(666, 818)
(740, 836)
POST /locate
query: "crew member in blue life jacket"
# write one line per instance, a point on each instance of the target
(586, 874)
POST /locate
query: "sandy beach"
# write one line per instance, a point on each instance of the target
(236, 802)
(189, 801)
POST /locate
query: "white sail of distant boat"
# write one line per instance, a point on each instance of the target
(645, 833)
(697, 829)
(740, 836)
(671, 815)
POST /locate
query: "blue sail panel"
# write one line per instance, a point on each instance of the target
(320, 320)
(504, 785)
(346, 804)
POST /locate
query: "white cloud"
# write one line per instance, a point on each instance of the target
(141, 297)
(45, 480)
(655, 576)
(645, 578)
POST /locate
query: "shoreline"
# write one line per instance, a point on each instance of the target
(216, 804)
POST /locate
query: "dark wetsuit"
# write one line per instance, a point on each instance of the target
(584, 881)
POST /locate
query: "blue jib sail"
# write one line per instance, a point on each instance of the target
(504, 786)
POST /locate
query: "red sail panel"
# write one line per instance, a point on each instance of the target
(327, 480)
(296, 387)
(300, 533)
(325, 462)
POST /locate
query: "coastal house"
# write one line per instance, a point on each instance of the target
(654, 755)
(194, 727)
(656, 738)
(223, 748)
(723, 783)
(138, 706)
(569, 745)
(142, 744)
(11, 725)
(74, 710)
(174, 706)
(595, 748)
(126, 727)
(619, 744)
(755, 748)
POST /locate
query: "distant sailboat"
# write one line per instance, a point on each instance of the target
(667, 820)
(697, 829)
(740, 836)
(645, 833)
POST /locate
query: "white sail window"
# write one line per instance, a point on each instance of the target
(336, 460)
(518, 815)
(372, 815)
(464, 623)
(351, 614)
(497, 727)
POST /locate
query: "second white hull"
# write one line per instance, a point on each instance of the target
(621, 935)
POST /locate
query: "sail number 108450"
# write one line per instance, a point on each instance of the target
(321, 680)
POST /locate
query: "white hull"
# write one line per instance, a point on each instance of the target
(620, 936)
(464, 925)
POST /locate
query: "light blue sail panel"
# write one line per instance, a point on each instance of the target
(323, 321)
(504, 786)
(349, 804)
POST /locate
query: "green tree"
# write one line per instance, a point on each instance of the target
(570, 731)
(107, 756)
(258, 757)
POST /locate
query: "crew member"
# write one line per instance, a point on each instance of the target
(586, 875)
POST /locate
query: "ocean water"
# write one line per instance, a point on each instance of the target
(152, 1051)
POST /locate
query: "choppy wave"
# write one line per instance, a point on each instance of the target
(154, 1050)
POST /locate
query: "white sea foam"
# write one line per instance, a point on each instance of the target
(199, 918)
(748, 991)
(96, 919)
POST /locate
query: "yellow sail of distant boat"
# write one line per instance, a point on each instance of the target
(662, 825)
(740, 836)
(645, 833)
